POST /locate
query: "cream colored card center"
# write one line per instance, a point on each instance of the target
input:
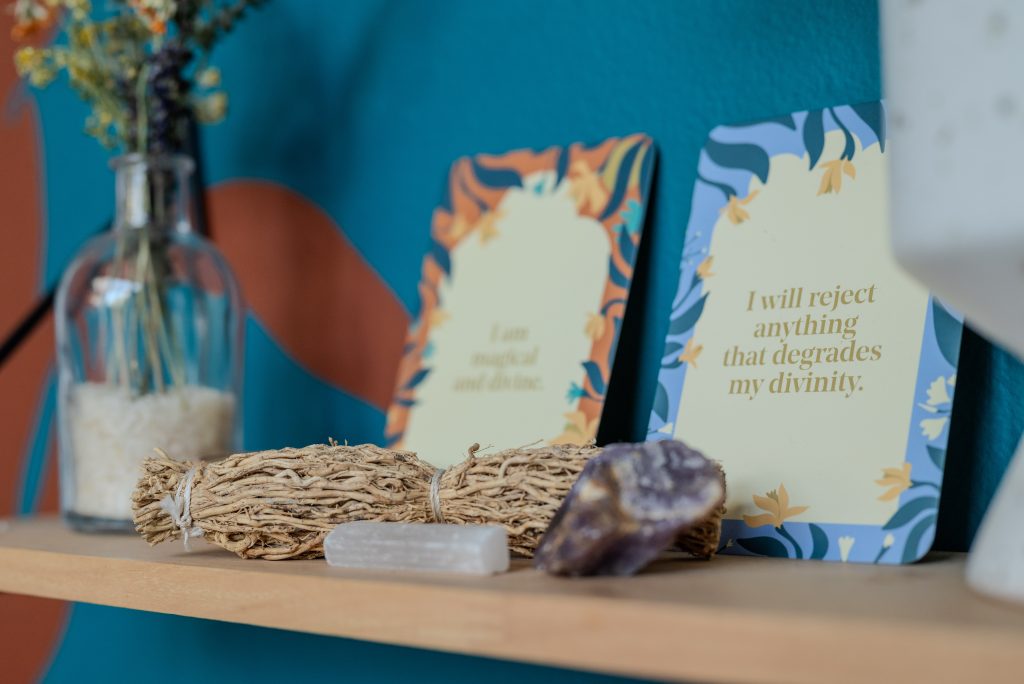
(509, 337)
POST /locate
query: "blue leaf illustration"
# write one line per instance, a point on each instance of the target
(672, 348)
(610, 303)
(496, 178)
(911, 552)
(739, 156)
(947, 332)
(873, 115)
(814, 135)
(562, 165)
(416, 379)
(441, 256)
(617, 322)
(621, 182)
(938, 456)
(688, 318)
(626, 246)
(850, 146)
(725, 189)
(645, 169)
(480, 204)
(661, 403)
(616, 276)
(820, 539)
(633, 215)
(764, 546)
(911, 510)
(594, 375)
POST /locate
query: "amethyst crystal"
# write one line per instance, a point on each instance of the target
(630, 503)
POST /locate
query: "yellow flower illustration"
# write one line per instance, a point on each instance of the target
(458, 227)
(690, 352)
(487, 225)
(734, 210)
(586, 188)
(896, 479)
(704, 268)
(438, 317)
(832, 179)
(578, 430)
(776, 503)
(595, 327)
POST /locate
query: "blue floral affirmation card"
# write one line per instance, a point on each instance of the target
(798, 352)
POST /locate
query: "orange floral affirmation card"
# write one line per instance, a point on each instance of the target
(522, 297)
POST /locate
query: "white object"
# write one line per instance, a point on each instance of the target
(955, 100)
(468, 549)
(112, 432)
(955, 104)
(179, 507)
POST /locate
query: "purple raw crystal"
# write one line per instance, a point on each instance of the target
(629, 504)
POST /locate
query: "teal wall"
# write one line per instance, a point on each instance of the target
(360, 106)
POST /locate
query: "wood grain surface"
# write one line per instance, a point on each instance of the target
(731, 619)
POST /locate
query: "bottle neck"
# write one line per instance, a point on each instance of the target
(154, 193)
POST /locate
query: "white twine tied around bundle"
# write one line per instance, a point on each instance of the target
(435, 484)
(179, 507)
(435, 495)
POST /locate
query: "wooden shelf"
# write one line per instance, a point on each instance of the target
(732, 619)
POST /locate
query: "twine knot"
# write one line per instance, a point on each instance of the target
(179, 508)
(435, 495)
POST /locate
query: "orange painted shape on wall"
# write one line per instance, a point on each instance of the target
(29, 627)
(307, 284)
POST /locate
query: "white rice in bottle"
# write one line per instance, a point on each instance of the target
(112, 432)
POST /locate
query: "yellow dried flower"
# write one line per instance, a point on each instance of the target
(84, 35)
(208, 77)
(79, 9)
(212, 108)
(36, 65)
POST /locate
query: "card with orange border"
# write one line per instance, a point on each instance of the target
(522, 296)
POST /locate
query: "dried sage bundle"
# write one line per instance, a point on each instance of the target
(281, 504)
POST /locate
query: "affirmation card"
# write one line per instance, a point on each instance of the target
(799, 354)
(522, 297)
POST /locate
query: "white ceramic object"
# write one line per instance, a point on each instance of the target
(955, 100)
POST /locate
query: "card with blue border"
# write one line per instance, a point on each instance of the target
(799, 354)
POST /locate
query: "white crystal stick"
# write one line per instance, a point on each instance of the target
(467, 549)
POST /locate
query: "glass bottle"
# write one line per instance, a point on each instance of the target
(149, 328)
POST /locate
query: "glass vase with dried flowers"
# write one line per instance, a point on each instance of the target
(148, 315)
